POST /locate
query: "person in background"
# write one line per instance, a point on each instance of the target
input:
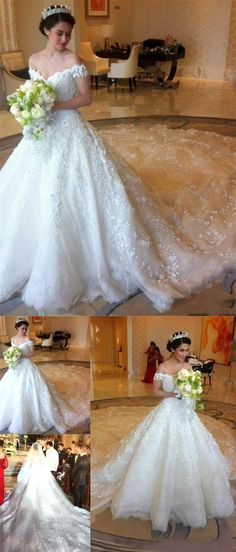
(153, 356)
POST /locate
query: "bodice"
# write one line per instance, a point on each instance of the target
(167, 381)
(64, 82)
(26, 348)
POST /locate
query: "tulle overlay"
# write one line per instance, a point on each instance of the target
(38, 516)
(95, 228)
(168, 467)
(31, 404)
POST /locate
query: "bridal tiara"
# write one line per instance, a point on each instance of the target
(56, 9)
(21, 319)
(177, 335)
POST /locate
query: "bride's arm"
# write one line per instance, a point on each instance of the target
(82, 98)
(30, 350)
(159, 392)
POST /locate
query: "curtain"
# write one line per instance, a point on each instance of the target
(2, 326)
(230, 66)
(8, 38)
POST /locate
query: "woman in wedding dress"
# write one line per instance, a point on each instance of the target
(170, 467)
(38, 513)
(30, 404)
(94, 227)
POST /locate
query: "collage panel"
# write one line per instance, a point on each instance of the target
(45, 434)
(163, 432)
(47, 492)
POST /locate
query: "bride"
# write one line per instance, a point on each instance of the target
(159, 471)
(38, 513)
(94, 227)
(28, 403)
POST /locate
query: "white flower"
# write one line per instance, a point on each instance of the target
(187, 388)
(37, 112)
(27, 85)
(15, 110)
(25, 114)
(184, 372)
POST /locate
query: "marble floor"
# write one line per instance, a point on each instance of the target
(110, 382)
(80, 356)
(197, 98)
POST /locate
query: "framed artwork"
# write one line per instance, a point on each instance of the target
(97, 8)
(217, 333)
(37, 319)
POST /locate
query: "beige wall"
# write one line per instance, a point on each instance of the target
(28, 16)
(108, 336)
(202, 26)
(158, 329)
(78, 326)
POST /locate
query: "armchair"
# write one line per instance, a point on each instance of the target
(96, 66)
(13, 71)
(125, 69)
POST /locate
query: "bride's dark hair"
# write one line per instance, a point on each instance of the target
(177, 342)
(21, 323)
(55, 18)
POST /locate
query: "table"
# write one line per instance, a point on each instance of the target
(148, 57)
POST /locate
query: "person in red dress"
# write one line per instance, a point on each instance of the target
(3, 466)
(153, 355)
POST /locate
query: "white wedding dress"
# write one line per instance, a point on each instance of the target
(77, 222)
(38, 517)
(30, 404)
(169, 468)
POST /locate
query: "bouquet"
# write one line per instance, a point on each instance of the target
(189, 385)
(12, 356)
(31, 105)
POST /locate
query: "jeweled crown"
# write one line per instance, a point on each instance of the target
(56, 9)
(177, 335)
(21, 319)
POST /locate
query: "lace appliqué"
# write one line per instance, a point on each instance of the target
(79, 71)
(159, 376)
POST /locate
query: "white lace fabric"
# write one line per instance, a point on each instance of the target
(151, 209)
(39, 515)
(149, 473)
(31, 404)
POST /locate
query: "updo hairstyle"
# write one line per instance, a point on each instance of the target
(55, 18)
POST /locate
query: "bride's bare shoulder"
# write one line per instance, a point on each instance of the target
(34, 59)
(163, 367)
(72, 59)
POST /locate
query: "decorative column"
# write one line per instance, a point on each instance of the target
(8, 38)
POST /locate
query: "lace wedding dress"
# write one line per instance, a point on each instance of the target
(38, 515)
(94, 225)
(169, 467)
(30, 404)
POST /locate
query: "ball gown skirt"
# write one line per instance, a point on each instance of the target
(169, 467)
(38, 514)
(3, 466)
(79, 220)
(30, 404)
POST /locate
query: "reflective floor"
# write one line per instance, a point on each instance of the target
(198, 98)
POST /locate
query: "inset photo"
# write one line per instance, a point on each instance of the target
(163, 431)
(44, 374)
(45, 492)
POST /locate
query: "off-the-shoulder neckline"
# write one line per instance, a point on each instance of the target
(57, 72)
(24, 342)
